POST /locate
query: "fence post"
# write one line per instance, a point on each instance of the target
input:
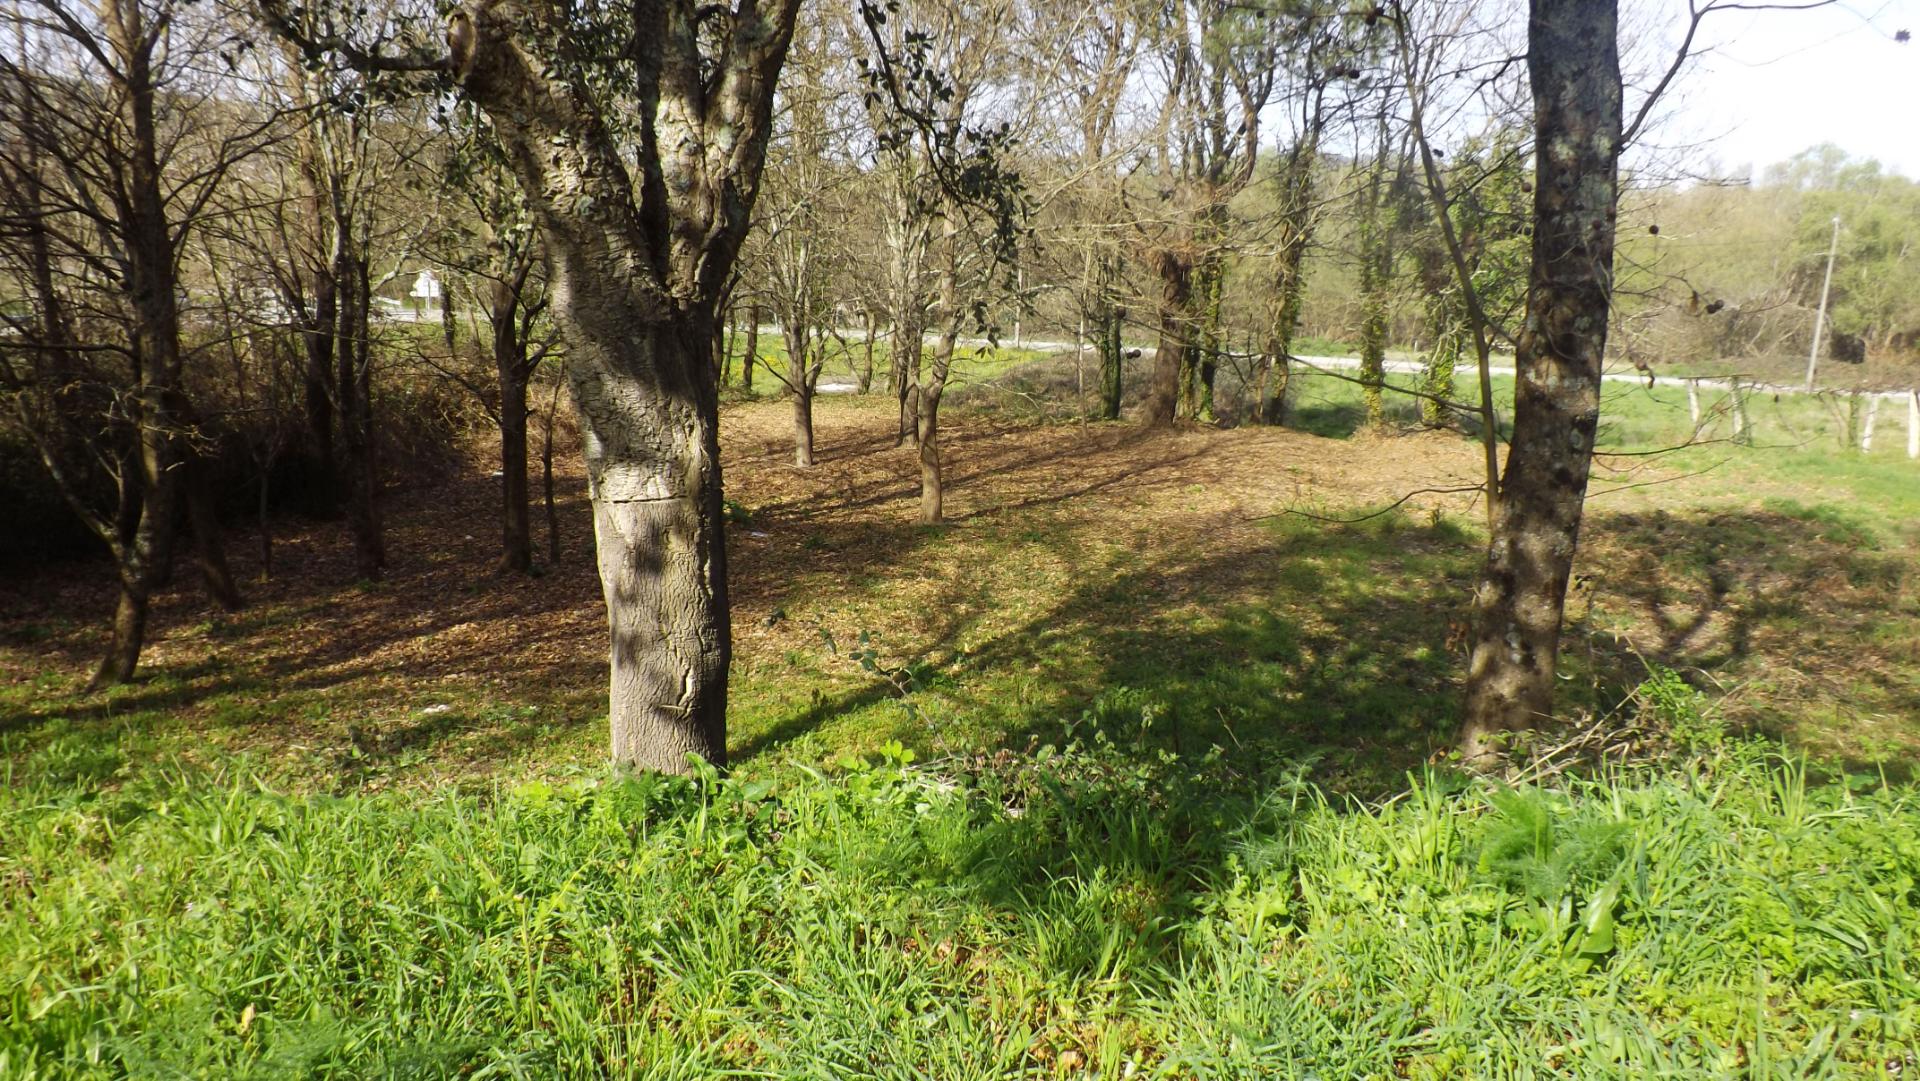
(1913, 424)
(1741, 434)
(1693, 403)
(1866, 432)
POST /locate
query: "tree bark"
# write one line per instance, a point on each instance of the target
(152, 290)
(641, 240)
(1573, 61)
(653, 463)
(546, 479)
(129, 636)
(752, 355)
(353, 392)
(1208, 363)
(510, 366)
(866, 368)
(803, 422)
(932, 483)
(1296, 221)
(1175, 272)
(319, 341)
(908, 340)
(203, 519)
(803, 374)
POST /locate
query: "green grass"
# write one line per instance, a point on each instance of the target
(1800, 447)
(1175, 820)
(1086, 913)
(971, 363)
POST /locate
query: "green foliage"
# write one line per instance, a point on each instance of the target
(1083, 910)
(1876, 276)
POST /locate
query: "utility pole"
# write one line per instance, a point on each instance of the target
(1820, 320)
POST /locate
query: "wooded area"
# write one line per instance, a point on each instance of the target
(1149, 409)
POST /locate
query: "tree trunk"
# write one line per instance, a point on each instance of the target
(129, 636)
(353, 390)
(209, 549)
(1373, 341)
(908, 335)
(510, 364)
(803, 421)
(1573, 61)
(803, 374)
(1447, 326)
(649, 410)
(152, 289)
(546, 480)
(1289, 284)
(932, 483)
(752, 354)
(261, 509)
(319, 342)
(866, 368)
(446, 313)
(1113, 359)
(1176, 286)
(1209, 360)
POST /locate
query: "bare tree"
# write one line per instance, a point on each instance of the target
(111, 150)
(1219, 60)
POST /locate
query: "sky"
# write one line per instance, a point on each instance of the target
(1774, 83)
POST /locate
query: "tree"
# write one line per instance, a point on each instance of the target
(1220, 60)
(110, 155)
(966, 208)
(1876, 280)
(1323, 55)
(335, 227)
(638, 136)
(1574, 67)
(487, 237)
(801, 254)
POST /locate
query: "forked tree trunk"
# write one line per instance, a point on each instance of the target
(636, 283)
(1573, 60)
(1176, 286)
(152, 288)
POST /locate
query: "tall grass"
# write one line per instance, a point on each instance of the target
(1080, 913)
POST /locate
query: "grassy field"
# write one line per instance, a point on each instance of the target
(1134, 768)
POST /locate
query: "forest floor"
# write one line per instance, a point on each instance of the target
(1193, 584)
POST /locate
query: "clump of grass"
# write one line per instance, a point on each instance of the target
(1080, 911)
